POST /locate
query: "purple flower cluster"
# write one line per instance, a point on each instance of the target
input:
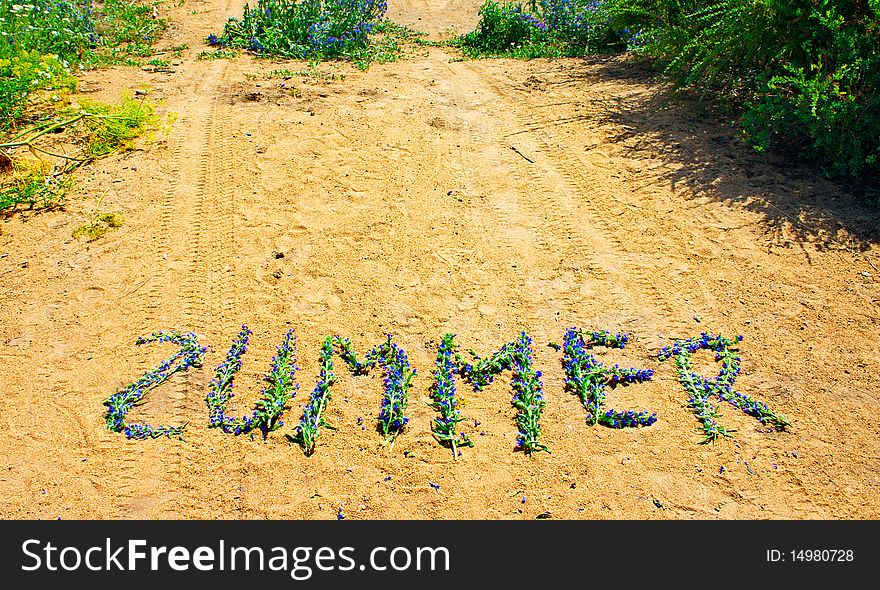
(278, 392)
(397, 380)
(587, 378)
(700, 388)
(445, 427)
(121, 402)
(516, 11)
(570, 15)
(528, 396)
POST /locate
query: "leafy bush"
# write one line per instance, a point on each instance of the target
(314, 30)
(804, 74)
(505, 27)
(544, 28)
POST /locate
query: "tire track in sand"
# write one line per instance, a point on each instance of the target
(181, 290)
(590, 250)
(587, 198)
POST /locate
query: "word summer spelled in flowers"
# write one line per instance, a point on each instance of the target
(584, 376)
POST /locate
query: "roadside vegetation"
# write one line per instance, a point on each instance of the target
(44, 134)
(798, 75)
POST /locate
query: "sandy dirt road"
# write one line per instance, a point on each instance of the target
(419, 197)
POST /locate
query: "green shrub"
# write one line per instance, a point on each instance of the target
(804, 74)
(545, 28)
(505, 27)
(316, 30)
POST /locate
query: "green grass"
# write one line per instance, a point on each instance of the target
(218, 54)
(98, 226)
(36, 176)
(32, 185)
(312, 72)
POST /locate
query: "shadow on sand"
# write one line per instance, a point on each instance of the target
(796, 202)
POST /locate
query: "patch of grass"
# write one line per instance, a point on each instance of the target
(312, 72)
(176, 51)
(99, 225)
(388, 45)
(128, 29)
(32, 184)
(218, 54)
(159, 63)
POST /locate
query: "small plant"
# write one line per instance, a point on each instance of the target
(26, 72)
(587, 378)
(218, 54)
(700, 388)
(312, 72)
(112, 128)
(100, 224)
(33, 184)
(279, 390)
(504, 27)
(121, 402)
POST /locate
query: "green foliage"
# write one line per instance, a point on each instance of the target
(99, 225)
(128, 30)
(43, 40)
(542, 28)
(31, 184)
(502, 28)
(112, 128)
(803, 74)
(63, 28)
(317, 30)
(23, 73)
